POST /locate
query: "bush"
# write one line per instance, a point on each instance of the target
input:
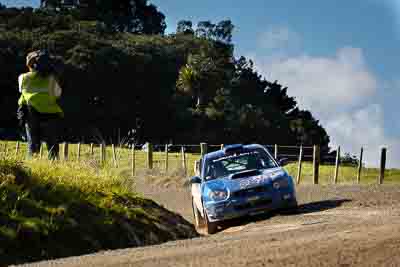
(53, 210)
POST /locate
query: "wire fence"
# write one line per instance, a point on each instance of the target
(306, 164)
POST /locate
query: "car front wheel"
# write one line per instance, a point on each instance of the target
(291, 209)
(211, 227)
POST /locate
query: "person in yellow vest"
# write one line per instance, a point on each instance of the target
(38, 102)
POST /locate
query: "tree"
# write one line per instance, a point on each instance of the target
(277, 95)
(185, 27)
(349, 160)
(223, 31)
(136, 16)
(205, 29)
(189, 79)
(307, 129)
(220, 32)
(190, 87)
(147, 19)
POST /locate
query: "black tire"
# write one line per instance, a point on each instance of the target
(198, 220)
(291, 210)
(211, 227)
(294, 206)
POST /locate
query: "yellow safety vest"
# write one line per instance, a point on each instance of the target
(35, 93)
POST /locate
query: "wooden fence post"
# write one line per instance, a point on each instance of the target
(6, 148)
(203, 149)
(166, 158)
(91, 150)
(360, 166)
(184, 160)
(276, 151)
(17, 149)
(79, 152)
(41, 150)
(316, 161)
(114, 155)
(383, 166)
(149, 156)
(133, 160)
(103, 153)
(299, 166)
(65, 151)
(337, 163)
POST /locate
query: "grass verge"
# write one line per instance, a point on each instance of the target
(175, 176)
(53, 210)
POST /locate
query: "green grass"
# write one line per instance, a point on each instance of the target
(52, 210)
(123, 156)
(347, 174)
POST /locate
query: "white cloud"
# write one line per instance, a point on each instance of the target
(340, 83)
(342, 93)
(364, 128)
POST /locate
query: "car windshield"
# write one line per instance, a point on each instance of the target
(249, 160)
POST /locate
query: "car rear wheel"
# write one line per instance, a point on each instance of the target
(211, 227)
(198, 220)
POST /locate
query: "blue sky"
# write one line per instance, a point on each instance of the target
(340, 59)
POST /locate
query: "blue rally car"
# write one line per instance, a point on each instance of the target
(236, 181)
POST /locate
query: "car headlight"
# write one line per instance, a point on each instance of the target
(281, 183)
(218, 195)
(215, 191)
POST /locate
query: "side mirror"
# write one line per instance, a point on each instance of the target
(283, 162)
(195, 180)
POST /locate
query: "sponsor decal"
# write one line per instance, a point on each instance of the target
(257, 180)
(253, 181)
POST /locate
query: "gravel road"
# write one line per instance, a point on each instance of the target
(347, 225)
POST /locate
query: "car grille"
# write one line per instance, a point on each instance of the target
(253, 205)
(250, 191)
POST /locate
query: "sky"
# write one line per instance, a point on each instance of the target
(339, 59)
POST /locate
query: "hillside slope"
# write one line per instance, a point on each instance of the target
(58, 210)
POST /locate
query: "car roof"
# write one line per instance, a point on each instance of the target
(221, 153)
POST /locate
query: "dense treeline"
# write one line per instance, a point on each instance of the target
(185, 87)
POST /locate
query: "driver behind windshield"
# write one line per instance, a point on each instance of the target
(216, 170)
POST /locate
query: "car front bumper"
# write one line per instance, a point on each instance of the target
(250, 205)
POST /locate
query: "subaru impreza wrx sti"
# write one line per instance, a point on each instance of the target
(239, 180)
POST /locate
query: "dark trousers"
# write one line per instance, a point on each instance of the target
(42, 127)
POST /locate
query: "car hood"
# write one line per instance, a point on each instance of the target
(253, 179)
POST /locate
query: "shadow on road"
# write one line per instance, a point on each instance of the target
(320, 206)
(306, 208)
